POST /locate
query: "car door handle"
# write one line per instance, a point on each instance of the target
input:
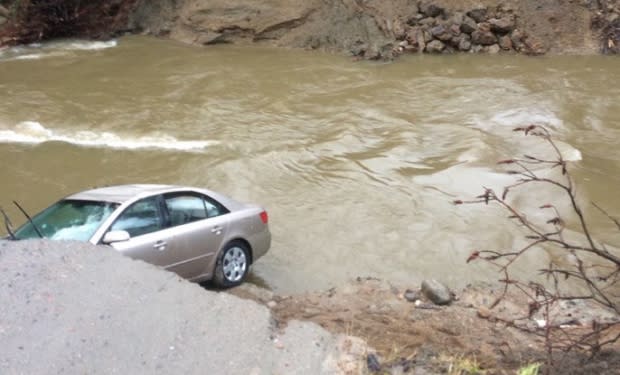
(217, 229)
(160, 245)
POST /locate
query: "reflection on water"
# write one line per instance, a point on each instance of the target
(357, 163)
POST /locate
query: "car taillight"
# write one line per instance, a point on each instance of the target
(264, 217)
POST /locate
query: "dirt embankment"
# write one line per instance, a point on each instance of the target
(383, 29)
(370, 29)
(412, 335)
(76, 308)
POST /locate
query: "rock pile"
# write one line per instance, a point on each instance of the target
(432, 29)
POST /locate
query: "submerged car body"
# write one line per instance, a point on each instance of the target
(197, 233)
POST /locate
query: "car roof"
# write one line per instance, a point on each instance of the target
(124, 193)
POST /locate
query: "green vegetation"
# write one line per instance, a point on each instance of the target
(531, 369)
(462, 365)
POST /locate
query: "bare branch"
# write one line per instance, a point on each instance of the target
(595, 277)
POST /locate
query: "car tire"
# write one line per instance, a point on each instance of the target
(232, 265)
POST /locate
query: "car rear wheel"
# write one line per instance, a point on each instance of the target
(232, 265)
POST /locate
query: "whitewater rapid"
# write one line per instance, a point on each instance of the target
(32, 132)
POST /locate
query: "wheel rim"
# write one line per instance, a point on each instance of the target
(234, 264)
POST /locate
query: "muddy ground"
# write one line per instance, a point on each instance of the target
(422, 338)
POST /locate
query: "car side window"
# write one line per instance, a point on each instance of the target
(185, 208)
(214, 208)
(140, 218)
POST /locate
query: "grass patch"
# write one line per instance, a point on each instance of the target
(461, 365)
(531, 369)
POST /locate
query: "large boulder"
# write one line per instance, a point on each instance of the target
(435, 291)
(225, 21)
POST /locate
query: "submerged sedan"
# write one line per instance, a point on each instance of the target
(197, 233)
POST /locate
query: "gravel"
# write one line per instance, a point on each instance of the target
(76, 308)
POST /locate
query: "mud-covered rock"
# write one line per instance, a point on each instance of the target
(441, 32)
(435, 46)
(505, 43)
(516, 37)
(502, 25)
(427, 36)
(534, 46)
(456, 18)
(455, 30)
(435, 291)
(493, 49)
(464, 42)
(478, 14)
(469, 25)
(429, 21)
(430, 9)
(484, 38)
(411, 295)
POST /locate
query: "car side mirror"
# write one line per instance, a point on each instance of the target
(116, 236)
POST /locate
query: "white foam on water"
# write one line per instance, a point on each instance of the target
(36, 51)
(32, 132)
(31, 56)
(524, 117)
(82, 45)
(504, 122)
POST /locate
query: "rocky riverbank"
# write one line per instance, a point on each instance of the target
(375, 29)
(370, 29)
(77, 308)
(429, 330)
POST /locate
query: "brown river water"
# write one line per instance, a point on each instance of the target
(356, 162)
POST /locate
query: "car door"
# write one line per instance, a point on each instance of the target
(199, 230)
(149, 239)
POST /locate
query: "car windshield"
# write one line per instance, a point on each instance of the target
(68, 220)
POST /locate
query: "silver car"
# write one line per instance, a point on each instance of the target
(197, 233)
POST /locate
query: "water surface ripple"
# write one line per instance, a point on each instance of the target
(356, 162)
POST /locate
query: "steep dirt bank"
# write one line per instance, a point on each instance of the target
(383, 29)
(368, 29)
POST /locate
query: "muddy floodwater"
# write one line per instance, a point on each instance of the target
(356, 162)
